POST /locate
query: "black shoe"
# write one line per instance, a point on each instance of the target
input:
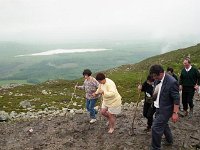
(148, 129)
(96, 111)
(165, 143)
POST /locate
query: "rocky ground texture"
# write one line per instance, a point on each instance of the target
(74, 132)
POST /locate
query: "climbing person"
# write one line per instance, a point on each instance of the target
(111, 99)
(90, 85)
(170, 71)
(148, 109)
(189, 83)
(167, 106)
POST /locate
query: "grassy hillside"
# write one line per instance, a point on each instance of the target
(126, 77)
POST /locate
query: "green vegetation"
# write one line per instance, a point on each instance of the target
(38, 69)
(126, 78)
(4, 82)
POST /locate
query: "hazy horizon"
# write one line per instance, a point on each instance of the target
(52, 21)
(133, 29)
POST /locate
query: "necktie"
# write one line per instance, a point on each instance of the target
(158, 82)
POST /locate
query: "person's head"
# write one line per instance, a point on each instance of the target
(100, 77)
(157, 72)
(187, 63)
(150, 79)
(87, 73)
(170, 70)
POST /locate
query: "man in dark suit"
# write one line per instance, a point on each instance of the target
(167, 106)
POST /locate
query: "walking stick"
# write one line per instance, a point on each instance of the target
(100, 133)
(72, 95)
(99, 109)
(135, 112)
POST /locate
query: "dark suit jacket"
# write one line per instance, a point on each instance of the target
(169, 95)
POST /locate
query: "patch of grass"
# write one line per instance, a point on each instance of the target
(4, 82)
(126, 77)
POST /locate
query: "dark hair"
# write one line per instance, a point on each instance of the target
(170, 69)
(100, 77)
(150, 78)
(156, 69)
(87, 72)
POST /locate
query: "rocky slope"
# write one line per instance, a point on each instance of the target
(73, 132)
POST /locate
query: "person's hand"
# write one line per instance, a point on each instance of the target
(175, 117)
(180, 87)
(94, 94)
(101, 92)
(139, 87)
(196, 87)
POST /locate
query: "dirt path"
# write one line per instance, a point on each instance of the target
(75, 133)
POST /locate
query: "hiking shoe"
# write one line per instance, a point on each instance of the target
(96, 111)
(190, 113)
(166, 143)
(93, 120)
(148, 129)
(185, 113)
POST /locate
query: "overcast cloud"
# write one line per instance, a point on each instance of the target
(58, 20)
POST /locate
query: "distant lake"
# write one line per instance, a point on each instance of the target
(63, 51)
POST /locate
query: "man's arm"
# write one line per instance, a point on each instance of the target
(175, 113)
(176, 99)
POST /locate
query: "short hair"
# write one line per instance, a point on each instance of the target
(188, 60)
(156, 69)
(100, 77)
(170, 69)
(87, 72)
(150, 78)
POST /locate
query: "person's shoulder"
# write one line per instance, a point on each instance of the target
(145, 83)
(109, 81)
(170, 78)
(194, 68)
(93, 79)
(183, 69)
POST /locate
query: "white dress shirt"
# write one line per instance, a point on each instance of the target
(188, 68)
(159, 86)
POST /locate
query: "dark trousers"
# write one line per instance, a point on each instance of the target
(160, 126)
(187, 98)
(148, 111)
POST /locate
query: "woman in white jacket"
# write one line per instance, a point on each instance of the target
(111, 104)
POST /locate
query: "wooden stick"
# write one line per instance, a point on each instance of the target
(135, 112)
(72, 95)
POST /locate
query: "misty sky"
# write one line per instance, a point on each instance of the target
(59, 20)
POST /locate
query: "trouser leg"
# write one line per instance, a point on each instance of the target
(185, 101)
(150, 114)
(158, 129)
(168, 134)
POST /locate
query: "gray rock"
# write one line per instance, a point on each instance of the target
(13, 114)
(4, 116)
(25, 104)
(79, 111)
